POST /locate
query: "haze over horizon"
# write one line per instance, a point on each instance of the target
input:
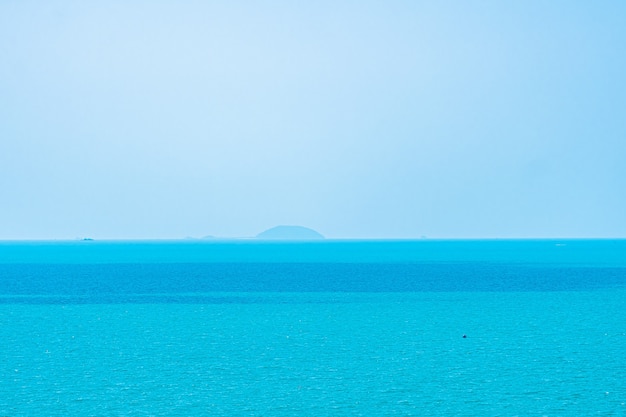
(398, 119)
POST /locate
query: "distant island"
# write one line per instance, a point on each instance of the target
(290, 233)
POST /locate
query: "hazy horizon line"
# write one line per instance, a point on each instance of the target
(257, 239)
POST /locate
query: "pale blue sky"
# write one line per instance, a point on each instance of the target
(360, 119)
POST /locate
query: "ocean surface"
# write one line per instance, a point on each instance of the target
(328, 328)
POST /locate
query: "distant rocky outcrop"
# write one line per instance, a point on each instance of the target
(290, 233)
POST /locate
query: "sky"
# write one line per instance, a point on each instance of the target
(359, 119)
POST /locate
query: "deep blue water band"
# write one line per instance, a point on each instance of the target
(186, 282)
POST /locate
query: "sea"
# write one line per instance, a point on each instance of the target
(320, 328)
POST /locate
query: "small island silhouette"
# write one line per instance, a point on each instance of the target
(290, 233)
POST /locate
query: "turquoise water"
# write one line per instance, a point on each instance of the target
(563, 252)
(299, 329)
